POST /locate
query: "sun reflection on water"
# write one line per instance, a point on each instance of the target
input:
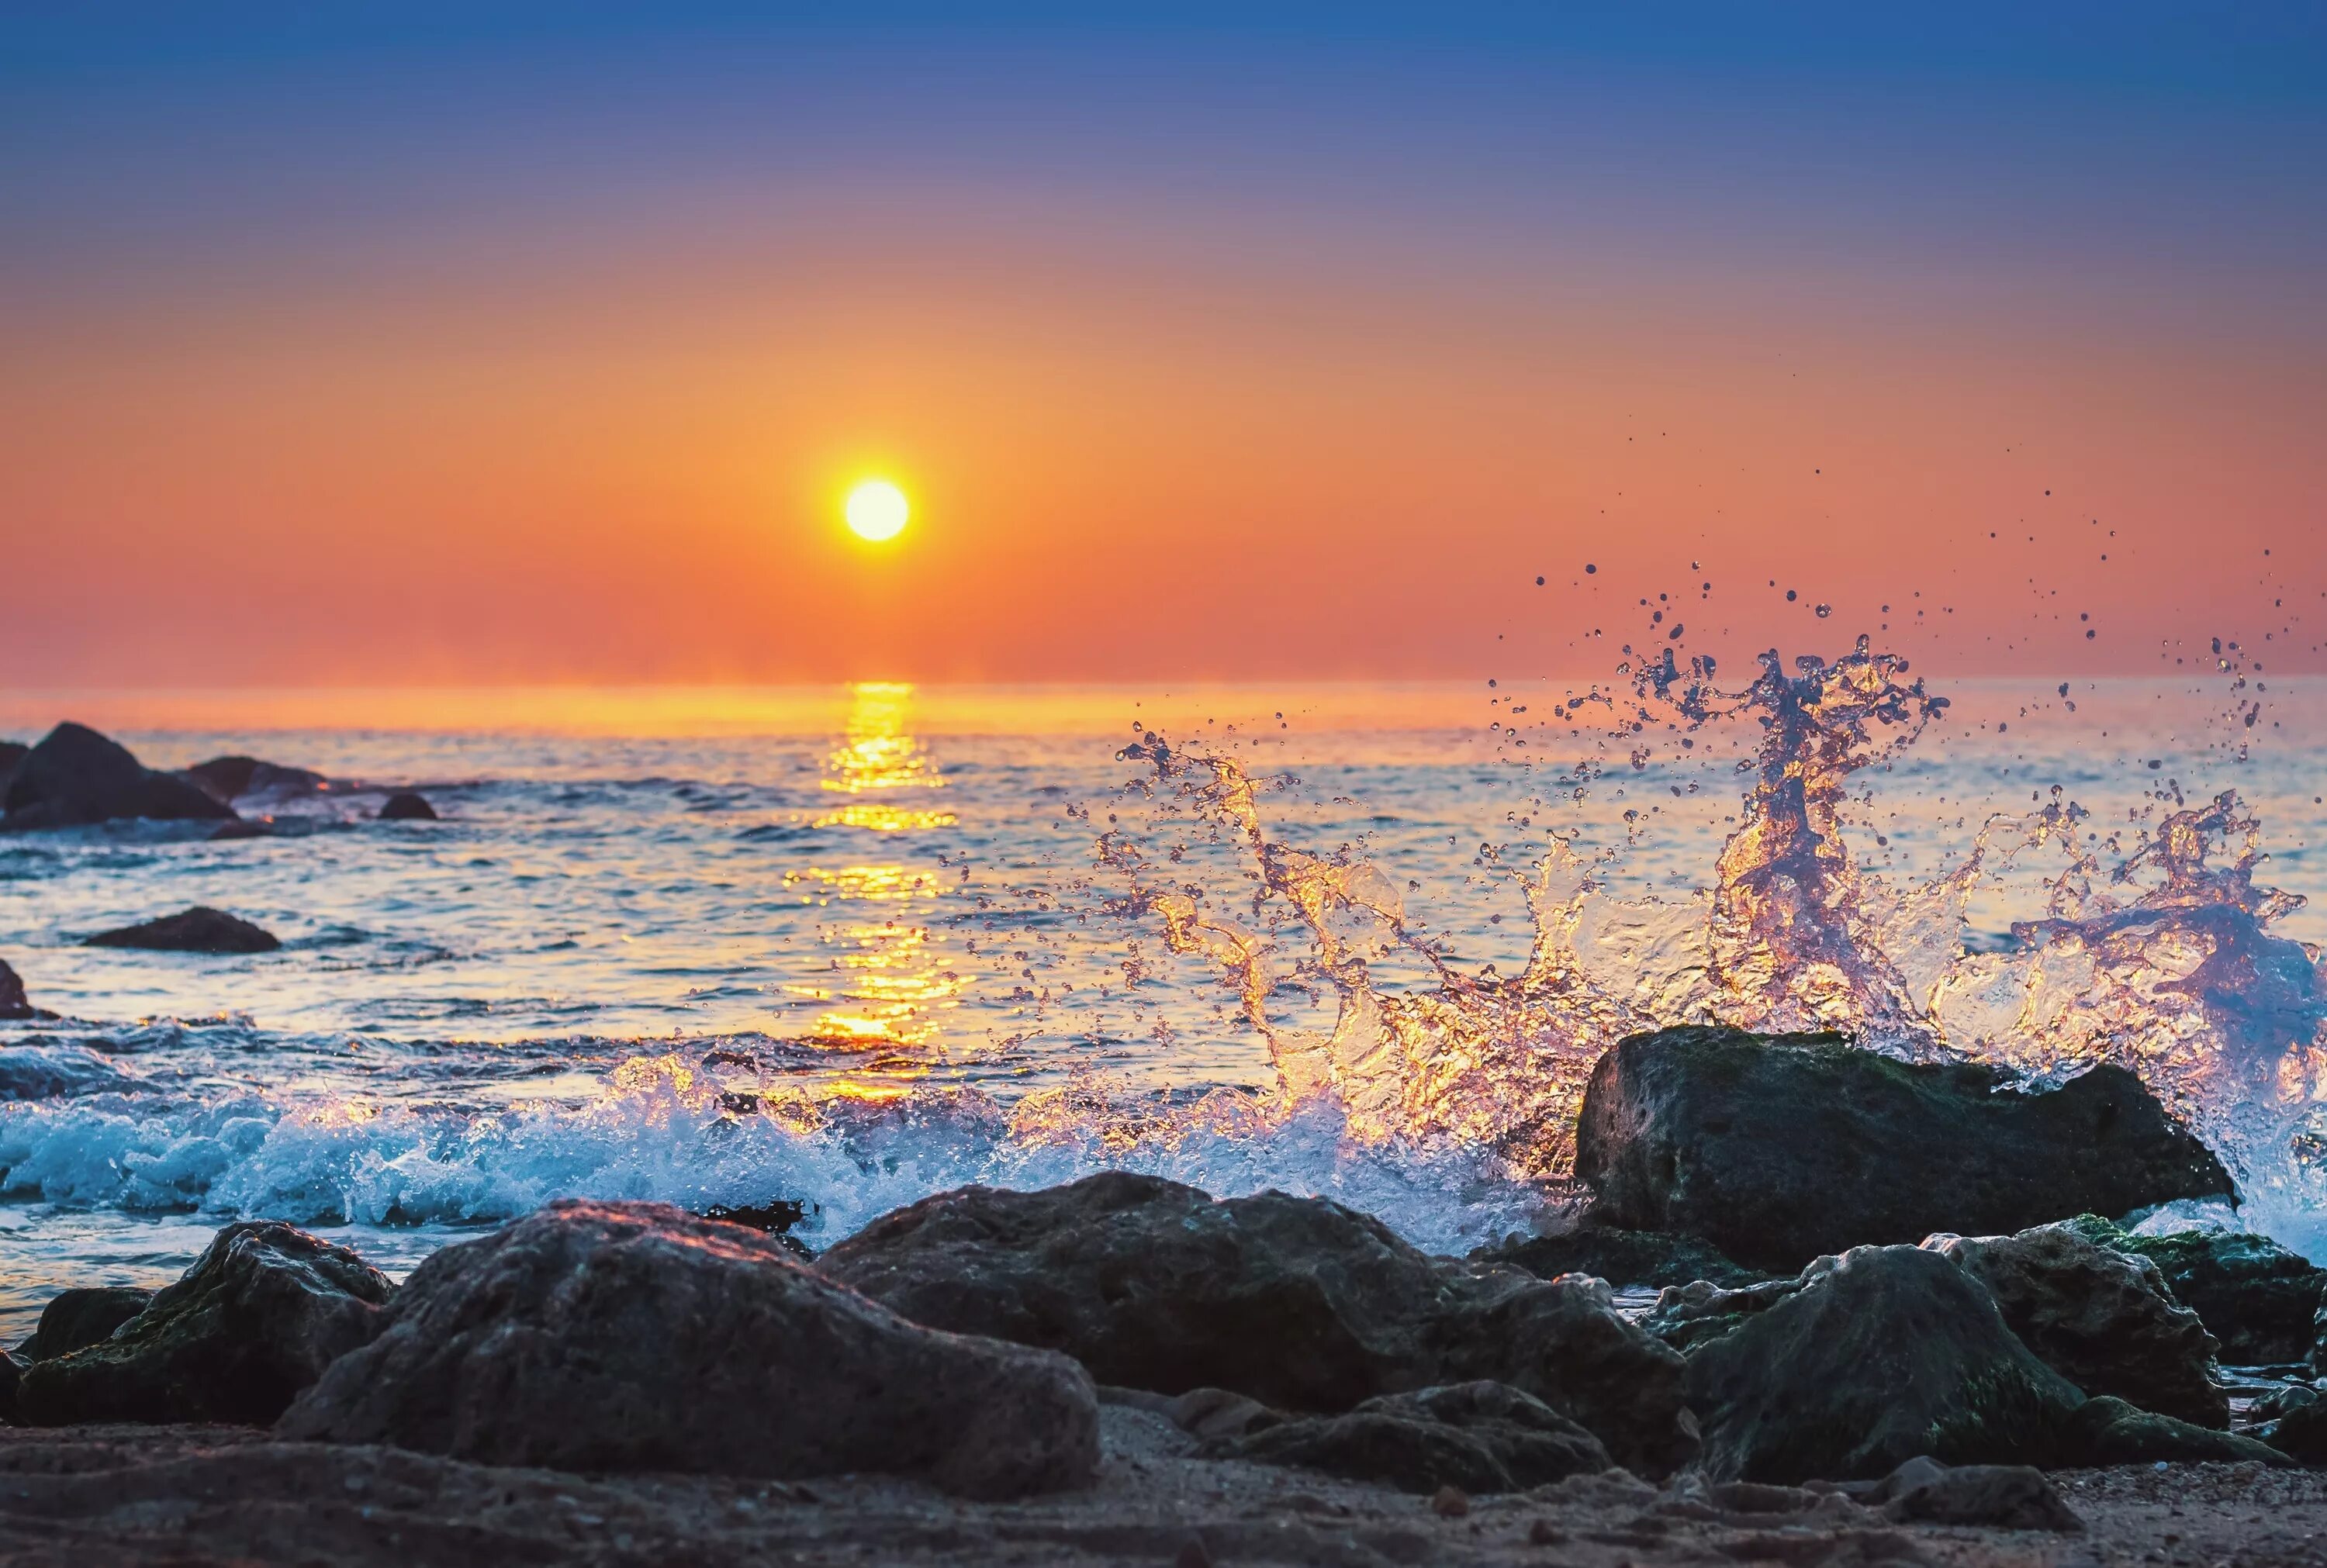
(879, 754)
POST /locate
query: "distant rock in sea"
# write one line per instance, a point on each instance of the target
(76, 778)
(14, 1004)
(407, 806)
(229, 778)
(200, 929)
(11, 753)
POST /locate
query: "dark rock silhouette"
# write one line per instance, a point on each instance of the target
(259, 1316)
(201, 929)
(1298, 1302)
(407, 806)
(2256, 1297)
(14, 1004)
(2103, 1319)
(76, 777)
(1781, 1149)
(11, 753)
(229, 778)
(76, 1318)
(606, 1337)
(1483, 1437)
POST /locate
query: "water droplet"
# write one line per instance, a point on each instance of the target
(1823, 610)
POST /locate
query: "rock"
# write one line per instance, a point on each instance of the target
(778, 1217)
(76, 1318)
(12, 1376)
(2003, 1496)
(1621, 1257)
(76, 777)
(2108, 1431)
(2101, 1319)
(1480, 1437)
(2287, 1397)
(12, 753)
(1450, 1502)
(229, 778)
(2255, 1296)
(2300, 1432)
(257, 1319)
(1208, 1413)
(1688, 1316)
(407, 806)
(15, 1005)
(1883, 1355)
(1778, 1149)
(238, 828)
(1297, 1302)
(636, 1337)
(200, 929)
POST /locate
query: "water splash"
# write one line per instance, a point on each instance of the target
(2163, 962)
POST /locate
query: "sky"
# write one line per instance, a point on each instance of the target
(491, 344)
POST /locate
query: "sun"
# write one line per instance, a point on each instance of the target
(877, 510)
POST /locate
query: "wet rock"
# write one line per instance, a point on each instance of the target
(1621, 1257)
(1480, 1437)
(1688, 1316)
(2000, 1497)
(257, 1319)
(11, 753)
(76, 777)
(12, 1376)
(2300, 1432)
(1778, 1149)
(636, 1337)
(778, 1217)
(229, 778)
(2287, 1397)
(1297, 1302)
(1885, 1354)
(2256, 1297)
(76, 1318)
(15, 1005)
(2108, 1431)
(201, 929)
(2101, 1319)
(407, 806)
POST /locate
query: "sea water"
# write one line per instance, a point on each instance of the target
(849, 946)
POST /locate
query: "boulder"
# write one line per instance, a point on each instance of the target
(2106, 1429)
(1298, 1302)
(1688, 1316)
(637, 1337)
(76, 1318)
(2002, 1496)
(2254, 1295)
(12, 753)
(200, 929)
(1483, 1437)
(258, 1318)
(2101, 1319)
(229, 778)
(76, 777)
(407, 806)
(2300, 1432)
(1778, 1149)
(12, 1378)
(1884, 1355)
(15, 1005)
(1621, 1257)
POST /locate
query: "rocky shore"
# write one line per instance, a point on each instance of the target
(1126, 1369)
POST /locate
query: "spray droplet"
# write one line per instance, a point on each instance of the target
(1823, 610)
(1589, 568)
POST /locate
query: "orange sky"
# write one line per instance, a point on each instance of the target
(1146, 438)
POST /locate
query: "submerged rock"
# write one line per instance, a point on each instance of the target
(1778, 1149)
(1886, 1354)
(2256, 1297)
(15, 1005)
(1688, 1316)
(1621, 1257)
(2103, 1319)
(201, 929)
(1483, 1437)
(636, 1337)
(407, 806)
(257, 1319)
(229, 778)
(76, 777)
(76, 1318)
(1298, 1302)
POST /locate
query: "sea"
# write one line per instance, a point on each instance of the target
(840, 948)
